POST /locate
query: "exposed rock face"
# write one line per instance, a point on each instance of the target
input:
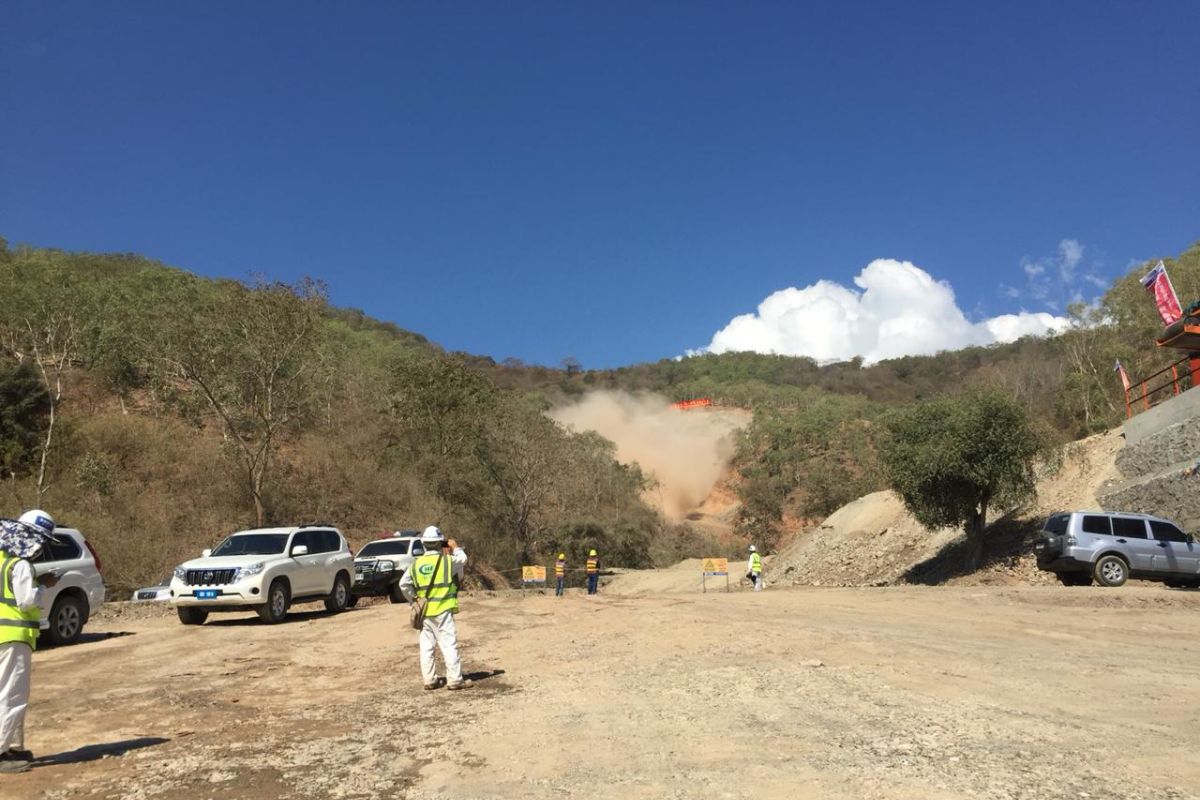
(1159, 464)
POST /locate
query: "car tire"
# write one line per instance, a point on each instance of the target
(191, 616)
(279, 597)
(1111, 571)
(339, 598)
(66, 620)
(395, 595)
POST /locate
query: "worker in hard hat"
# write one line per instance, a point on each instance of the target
(436, 576)
(754, 569)
(560, 574)
(20, 596)
(593, 572)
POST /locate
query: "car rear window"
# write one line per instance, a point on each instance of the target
(1129, 528)
(385, 548)
(1166, 532)
(61, 548)
(1057, 523)
(1097, 524)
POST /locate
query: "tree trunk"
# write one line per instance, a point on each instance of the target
(976, 536)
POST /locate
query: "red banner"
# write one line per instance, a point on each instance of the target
(1159, 285)
(700, 402)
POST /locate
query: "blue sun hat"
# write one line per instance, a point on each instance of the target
(25, 537)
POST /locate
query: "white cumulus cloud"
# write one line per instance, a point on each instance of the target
(898, 310)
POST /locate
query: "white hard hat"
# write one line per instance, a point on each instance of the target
(753, 549)
(431, 535)
(39, 520)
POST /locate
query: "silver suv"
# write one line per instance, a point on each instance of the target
(1111, 547)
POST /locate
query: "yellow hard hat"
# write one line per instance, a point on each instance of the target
(591, 552)
(562, 555)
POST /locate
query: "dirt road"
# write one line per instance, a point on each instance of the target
(1039, 692)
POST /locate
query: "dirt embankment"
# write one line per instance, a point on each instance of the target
(972, 693)
(873, 541)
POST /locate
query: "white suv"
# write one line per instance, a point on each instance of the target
(67, 606)
(266, 569)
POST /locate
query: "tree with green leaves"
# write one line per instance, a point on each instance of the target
(24, 412)
(955, 458)
(251, 352)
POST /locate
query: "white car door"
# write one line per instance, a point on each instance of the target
(306, 575)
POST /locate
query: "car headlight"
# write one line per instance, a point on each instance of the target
(248, 570)
(385, 566)
(181, 573)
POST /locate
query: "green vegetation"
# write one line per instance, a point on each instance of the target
(159, 410)
(954, 458)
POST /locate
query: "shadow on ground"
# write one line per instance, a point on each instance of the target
(95, 752)
(218, 619)
(1008, 539)
(84, 638)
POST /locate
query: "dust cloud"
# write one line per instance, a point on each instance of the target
(686, 452)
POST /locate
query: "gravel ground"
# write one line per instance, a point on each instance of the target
(913, 692)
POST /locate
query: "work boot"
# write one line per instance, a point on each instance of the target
(10, 763)
(464, 684)
(23, 755)
(437, 684)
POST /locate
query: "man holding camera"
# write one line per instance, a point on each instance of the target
(436, 576)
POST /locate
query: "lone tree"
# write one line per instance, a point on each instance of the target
(953, 458)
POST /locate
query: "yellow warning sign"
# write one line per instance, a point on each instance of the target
(533, 574)
(715, 566)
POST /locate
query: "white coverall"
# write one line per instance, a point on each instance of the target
(439, 630)
(16, 663)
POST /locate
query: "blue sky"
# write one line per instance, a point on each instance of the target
(611, 181)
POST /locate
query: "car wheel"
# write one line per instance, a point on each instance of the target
(339, 598)
(1111, 571)
(279, 597)
(395, 595)
(66, 620)
(191, 616)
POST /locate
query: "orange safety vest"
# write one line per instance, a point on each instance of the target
(593, 565)
(560, 569)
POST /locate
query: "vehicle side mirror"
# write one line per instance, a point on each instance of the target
(300, 550)
(206, 552)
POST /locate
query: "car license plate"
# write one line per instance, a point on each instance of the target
(206, 594)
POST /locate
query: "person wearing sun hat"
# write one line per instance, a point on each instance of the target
(20, 596)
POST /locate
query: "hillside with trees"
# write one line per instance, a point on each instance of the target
(159, 410)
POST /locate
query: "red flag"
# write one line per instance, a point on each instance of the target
(1124, 375)
(1158, 284)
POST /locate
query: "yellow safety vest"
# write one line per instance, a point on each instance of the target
(15, 625)
(440, 588)
(560, 569)
(593, 565)
(755, 563)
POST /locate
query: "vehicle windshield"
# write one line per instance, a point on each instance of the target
(385, 548)
(252, 544)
